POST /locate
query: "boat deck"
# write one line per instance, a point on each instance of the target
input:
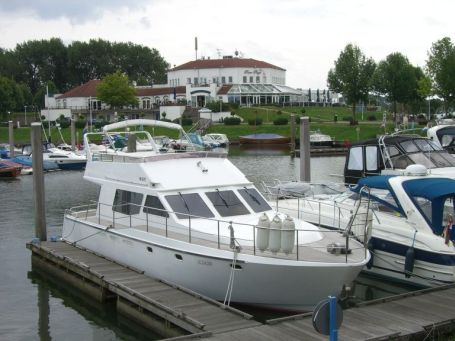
(312, 252)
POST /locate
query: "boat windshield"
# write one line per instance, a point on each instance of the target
(188, 204)
(420, 151)
(227, 203)
(254, 199)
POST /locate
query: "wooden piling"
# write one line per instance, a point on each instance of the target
(305, 169)
(73, 135)
(38, 182)
(293, 134)
(11, 138)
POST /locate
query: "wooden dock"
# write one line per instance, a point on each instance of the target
(179, 313)
(166, 308)
(420, 315)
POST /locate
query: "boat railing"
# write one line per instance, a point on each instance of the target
(114, 157)
(160, 222)
(333, 214)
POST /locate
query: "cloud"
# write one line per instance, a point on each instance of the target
(76, 11)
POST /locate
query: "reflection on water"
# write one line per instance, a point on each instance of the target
(40, 309)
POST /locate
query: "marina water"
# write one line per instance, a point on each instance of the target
(34, 307)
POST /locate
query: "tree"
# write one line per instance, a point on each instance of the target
(397, 79)
(7, 95)
(351, 76)
(116, 91)
(441, 69)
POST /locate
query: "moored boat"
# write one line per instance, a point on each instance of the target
(194, 219)
(9, 169)
(264, 138)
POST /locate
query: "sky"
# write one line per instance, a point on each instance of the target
(304, 37)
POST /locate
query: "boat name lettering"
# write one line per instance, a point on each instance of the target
(204, 262)
(142, 178)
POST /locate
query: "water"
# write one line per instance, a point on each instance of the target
(37, 308)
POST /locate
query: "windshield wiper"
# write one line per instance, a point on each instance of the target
(252, 196)
(184, 202)
(222, 199)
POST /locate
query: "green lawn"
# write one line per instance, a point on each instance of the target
(321, 119)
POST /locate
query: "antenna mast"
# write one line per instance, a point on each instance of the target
(195, 45)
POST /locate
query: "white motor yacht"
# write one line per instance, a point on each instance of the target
(192, 218)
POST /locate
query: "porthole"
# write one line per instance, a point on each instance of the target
(236, 266)
(179, 257)
(149, 249)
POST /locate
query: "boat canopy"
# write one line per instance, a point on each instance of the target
(436, 191)
(143, 122)
(380, 182)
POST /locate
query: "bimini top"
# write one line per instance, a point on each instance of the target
(429, 195)
(141, 122)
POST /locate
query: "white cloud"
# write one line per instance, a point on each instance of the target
(304, 37)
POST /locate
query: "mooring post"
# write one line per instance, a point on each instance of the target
(293, 134)
(11, 139)
(73, 134)
(131, 143)
(305, 169)
(38, 182)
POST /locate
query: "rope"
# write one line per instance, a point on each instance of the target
(227, 297)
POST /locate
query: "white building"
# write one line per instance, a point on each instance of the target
(235, 80)
(244, 81)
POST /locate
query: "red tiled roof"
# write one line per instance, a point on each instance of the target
(224, 89)
(160, 91)
(225, 63)
(85, 90)
(89, 90)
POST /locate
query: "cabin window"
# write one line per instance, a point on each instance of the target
(355, 159)
(227, 203)
(254, 199)
(188, 204)
(393, 151)
(154, 206)
(371, 156)
(424, 205)
(409, 147)
(424, 145)
(127, 202)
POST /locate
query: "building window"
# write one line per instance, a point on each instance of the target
(214, 80)
(188, 80)
(251, 79)
(258, 79)
(230, 79)
(195, 81)
(223, 80)
(244, 79)
(264, 79)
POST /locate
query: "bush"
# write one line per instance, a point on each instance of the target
(422, 119)
(279, 112)
(303, 111)
(100, 124)
(65, 124)
(371, 117)
(80, 124)
(257, 121)
(232, 121)
(347, 118)
(186, 121)
(280, 121)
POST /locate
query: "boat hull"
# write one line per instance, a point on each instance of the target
(264, 139)
(259, 281)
